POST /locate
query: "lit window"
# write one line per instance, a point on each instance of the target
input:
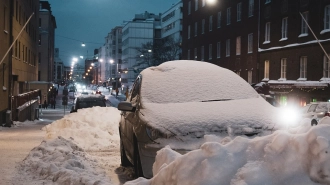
(250, 77)
(266, 72)
(195, 29)
(238, 45)
(303, 67)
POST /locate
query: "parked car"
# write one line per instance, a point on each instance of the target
(316, 111)
(87, 101)
(179, 102)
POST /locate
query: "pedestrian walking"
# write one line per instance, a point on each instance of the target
(54, 103)
(117, 91)
(45, 104)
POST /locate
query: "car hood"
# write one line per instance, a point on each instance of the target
(234, 117)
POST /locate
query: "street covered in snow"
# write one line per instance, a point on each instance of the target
(83, 148)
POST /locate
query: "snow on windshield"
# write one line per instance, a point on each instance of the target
(190, 81)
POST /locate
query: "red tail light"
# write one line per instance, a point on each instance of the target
(327, 114)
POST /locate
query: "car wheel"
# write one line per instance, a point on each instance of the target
(137, 161)
(124, 161)
(314, 122)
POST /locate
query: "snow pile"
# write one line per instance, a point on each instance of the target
(91, 128)
(280, 158)
(62, 162)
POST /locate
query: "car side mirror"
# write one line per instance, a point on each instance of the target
(126, 106)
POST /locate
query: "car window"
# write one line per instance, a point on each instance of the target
(312, 108)
(322, 107)
(135, 90)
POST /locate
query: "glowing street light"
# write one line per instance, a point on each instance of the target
(101, 60)
(83, 44)
(211, 1)
(82, 57)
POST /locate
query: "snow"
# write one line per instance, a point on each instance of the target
(294, 156)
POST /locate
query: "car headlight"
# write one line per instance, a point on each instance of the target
(154, 134)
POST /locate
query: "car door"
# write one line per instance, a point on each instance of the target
(311, 111)
(129, 119)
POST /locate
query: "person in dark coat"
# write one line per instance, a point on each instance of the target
(45, 104)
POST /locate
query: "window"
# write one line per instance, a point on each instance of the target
(228, 15)
(284, 28)
(196, 5)
(250, 77)
(202, 53)
(203, 3)
(284, 6)
(218, 50)
(195, 54)
(250, 43)
(210, 51)
(188, 54)
(24, 55)
(304, 28)
(283, 68)
(327, 17)
(238, 45)
(39, 39)
(239, 11)
(266, 72)
(210, 23)
(195, 29)
(188, 31)
(19, 49)
(267, 1)
(267, 33)
(16, 48)
(189, 7)
(219, 20)
(326, 67)
(303, 67)
(227, 47)
(251, 6)
(203, 26)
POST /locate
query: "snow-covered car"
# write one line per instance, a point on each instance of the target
(316, 111)
(88, 101)
(164, 107)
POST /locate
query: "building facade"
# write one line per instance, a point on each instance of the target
(292, 59)
(224, 33)
(142, 29)
(5, 7)
(46, 42)
(171, 24)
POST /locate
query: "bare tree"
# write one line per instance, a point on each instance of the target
(156, 53)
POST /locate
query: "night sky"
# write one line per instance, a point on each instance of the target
(90, 21)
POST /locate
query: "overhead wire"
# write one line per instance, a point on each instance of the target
(78, 40)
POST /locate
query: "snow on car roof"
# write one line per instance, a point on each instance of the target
(190, 81)
(91, 96)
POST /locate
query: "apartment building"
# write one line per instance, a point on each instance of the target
(46, 42)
